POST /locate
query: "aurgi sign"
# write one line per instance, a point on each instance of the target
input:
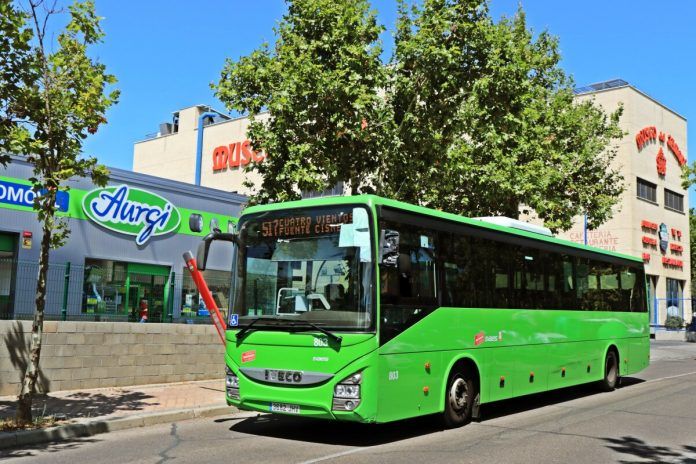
(131, 211)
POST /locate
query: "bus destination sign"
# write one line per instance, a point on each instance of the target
(305, 225)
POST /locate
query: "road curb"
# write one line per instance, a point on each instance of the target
(87, 428)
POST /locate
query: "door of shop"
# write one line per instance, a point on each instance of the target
(8, 265)
(148, 286)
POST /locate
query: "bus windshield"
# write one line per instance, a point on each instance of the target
(312, 265)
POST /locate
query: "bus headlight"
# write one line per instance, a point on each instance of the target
(346, 395)
(231, 383)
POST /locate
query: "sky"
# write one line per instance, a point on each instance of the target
(166, 53)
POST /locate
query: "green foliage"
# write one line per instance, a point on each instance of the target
(15, 66)
(321, 85)
(490, 124)
(674, 322)
(688, 175)
(470, 116)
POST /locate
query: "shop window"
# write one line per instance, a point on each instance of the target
(8, 243)
(104, 287)
(647, 190)
(192, 305)
(126, 290)
(674, 201)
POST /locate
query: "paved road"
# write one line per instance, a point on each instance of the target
(652, 418)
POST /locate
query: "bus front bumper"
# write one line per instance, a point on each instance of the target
(311, 401)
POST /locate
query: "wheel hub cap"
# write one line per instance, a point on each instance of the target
(458, 395)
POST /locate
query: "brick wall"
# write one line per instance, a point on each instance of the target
(79, 355)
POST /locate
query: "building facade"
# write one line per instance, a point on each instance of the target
(124, 253)
(200, 135)
(652, 218)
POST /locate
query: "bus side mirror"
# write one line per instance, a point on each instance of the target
(389, 247)
(202, 252)
(204, 246)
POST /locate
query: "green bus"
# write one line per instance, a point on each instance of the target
(371, 310)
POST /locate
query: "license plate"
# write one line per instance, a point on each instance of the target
(282, 407)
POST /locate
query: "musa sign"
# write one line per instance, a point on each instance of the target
(131, 211)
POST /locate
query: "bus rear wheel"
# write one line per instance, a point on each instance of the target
(460, 396)
(611, 372)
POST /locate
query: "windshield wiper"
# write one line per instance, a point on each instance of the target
(246, 329)
(333, 336)
(293, 324)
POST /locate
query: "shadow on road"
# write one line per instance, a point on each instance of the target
(52, 447)
(651, 453)
(335, 433)
(525, 403)
(350, 434)
(81, 405)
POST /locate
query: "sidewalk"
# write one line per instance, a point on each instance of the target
(91, 411)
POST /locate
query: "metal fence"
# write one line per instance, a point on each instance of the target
(70, 291)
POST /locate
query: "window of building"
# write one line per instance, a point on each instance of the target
(675, 297)
(192, 305)
(104, 287)
(124, 291)
(8, 249)
(674, 201)
(652, 296)
(647, 190)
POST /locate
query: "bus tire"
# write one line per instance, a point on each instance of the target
(460, 396)
(611, 371)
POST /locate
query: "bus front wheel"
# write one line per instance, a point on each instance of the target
(611, 371)
(460, 396)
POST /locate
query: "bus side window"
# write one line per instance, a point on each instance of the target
(408, 291)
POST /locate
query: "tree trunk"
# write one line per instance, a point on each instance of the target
(24, 400)
(354, 186)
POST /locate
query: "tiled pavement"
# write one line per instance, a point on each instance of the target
(121, 402)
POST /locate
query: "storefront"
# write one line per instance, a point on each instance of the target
(123, 257)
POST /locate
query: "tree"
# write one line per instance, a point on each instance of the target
(489, 123)
(471, 116)
(15, 65)
(50, 105)
(321, 86)
(692, 257)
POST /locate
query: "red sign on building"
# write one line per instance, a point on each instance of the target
(650, 134)
(235, 155)
(673, 262)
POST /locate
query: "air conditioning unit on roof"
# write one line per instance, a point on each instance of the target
(516, 224)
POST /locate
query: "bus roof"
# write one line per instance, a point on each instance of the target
(374, 200)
